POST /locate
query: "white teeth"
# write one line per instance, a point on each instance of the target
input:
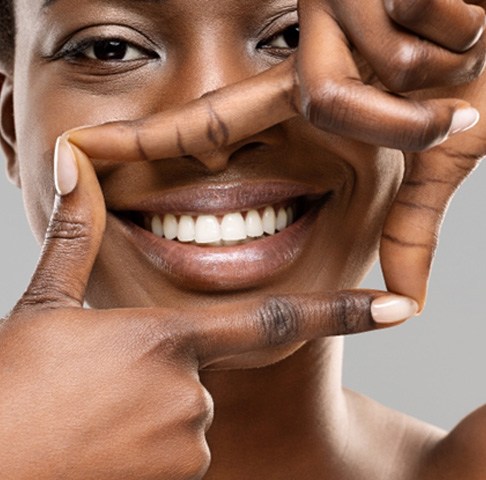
(230, 229)
(233, 227)
(157, 227)
(207, 229)
(281, 222)
(269, 220)
(170, 226)
(186, 231)
(254, 225)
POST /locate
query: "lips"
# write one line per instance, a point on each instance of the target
(223, 237)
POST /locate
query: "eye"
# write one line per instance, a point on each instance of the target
(287, 39)
(113, 49)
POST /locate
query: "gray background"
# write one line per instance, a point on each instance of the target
(430, 368)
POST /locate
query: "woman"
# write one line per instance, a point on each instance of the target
(213, 223)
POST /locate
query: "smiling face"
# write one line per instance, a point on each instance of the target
(93, 61)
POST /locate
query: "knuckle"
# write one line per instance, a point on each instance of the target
(405, 67)
(165, 343)
(67, 226)
(407, 12)
(198, 459)
(326, 104)
(459, 166)
(137, 129)
(476, 64)
(351, 312)
(190, 457)
(46, 296)
(198, 407)
(279, 321)
(217, 130)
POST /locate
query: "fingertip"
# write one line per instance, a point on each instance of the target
(392, 308)
(481, 22)
(71, 134)
(66, 172)
(464, 119)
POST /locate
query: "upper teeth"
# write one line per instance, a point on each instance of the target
(229, 228)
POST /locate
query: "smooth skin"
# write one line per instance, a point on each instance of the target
(152, 404)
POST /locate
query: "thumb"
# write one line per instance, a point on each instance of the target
(73, 235)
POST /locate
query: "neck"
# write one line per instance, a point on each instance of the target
(285, 410)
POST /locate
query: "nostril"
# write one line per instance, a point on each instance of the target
(249, 152)
(252, 146)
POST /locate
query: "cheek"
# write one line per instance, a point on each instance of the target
(377, 181)
(378, 177)
(345, 245)
(43, 111)
(349, 240)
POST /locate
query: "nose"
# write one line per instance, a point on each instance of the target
(211, 59)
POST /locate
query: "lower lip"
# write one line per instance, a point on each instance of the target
(224, 268)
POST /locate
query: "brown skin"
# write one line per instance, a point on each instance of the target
(150, 412)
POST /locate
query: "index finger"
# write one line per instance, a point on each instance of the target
(285, 319)
(214, 121)
(452, 24)
(337, 103)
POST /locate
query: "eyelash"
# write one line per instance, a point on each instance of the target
(78, 51)
(292, 30)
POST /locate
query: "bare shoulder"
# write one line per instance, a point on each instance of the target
(391, 445)
(461, 454)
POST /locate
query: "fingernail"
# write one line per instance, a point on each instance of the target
(464, 119)
(65, 167)
(393, 308)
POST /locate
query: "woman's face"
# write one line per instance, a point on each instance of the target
(93, 61)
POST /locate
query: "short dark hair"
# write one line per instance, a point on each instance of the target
(7, 32)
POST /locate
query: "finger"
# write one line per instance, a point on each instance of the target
(411, 231)
(216, 120)
(341, 104)
(334, 97)
(450, 23)
(405, 62)
(73, 235)
(287, 319)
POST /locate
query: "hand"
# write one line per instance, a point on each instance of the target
(111, 394)
(325, 83)
(428, 43)
(410, 44)
(404, 44)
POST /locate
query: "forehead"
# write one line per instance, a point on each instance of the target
(230, 6)
(41, 22)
